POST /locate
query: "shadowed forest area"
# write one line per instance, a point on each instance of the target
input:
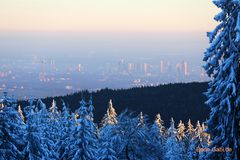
(181, 101)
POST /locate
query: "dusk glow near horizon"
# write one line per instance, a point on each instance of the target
(107, 16)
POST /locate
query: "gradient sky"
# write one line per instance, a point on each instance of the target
(107, 15)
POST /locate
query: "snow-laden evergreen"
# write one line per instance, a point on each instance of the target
(54, 109)
(106, 143)
(49, 133)
(204, 142)
(54, 126)
(196, 142)
(190, 130)
(83, 142)
(20, 112)
(66, 122)
(11, 130)
(157, 135)
(182, 139)
(173, 148)
(130, 138)
(34, 149)
(106, 134)
(181, 131)
(106, 151)
(189, 143)
(199, 143)
(223, 66)
(111, 116)
(44, 125)
(160, 124)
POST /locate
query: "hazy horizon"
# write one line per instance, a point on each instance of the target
(66, 46)
(108, 28)
(106, 44)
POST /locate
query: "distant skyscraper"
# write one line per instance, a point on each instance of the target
(161, 67)
(121, 66)
(130, 67)
(168, 67)
(79, 67)
(182, 68)
(52, 62)
(179, 68)
(185, 68)
(146, 68)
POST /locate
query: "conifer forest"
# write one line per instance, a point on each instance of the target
(41, 132)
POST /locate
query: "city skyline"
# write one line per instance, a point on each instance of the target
(41, 77)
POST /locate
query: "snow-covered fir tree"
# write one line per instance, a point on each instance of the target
(190, 130)
(34, 149)
(159, 122)
(106, 148)
(197, 145)
(204, 142)
(172, 131)
(106, 133)
(111, 116)
(158, 139)
(54, 123)
(199, 131)
(173, 149)
(206, 136)
(90, 108)
(83, 144)
(11, 130)
(190, 141)
(182, 140)
(20, 112)
(29, 108)
(66, 122)
(223, 66)
(141, 120)
(6, 100)
(105, 151)
(43, 122)
(130, 139)
(181, 131)
(54, 109)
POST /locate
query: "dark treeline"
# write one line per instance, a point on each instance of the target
(181, 101)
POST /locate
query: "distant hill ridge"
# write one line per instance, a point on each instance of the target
(180, 101)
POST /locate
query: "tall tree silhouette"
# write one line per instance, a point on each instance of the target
(222, 65)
